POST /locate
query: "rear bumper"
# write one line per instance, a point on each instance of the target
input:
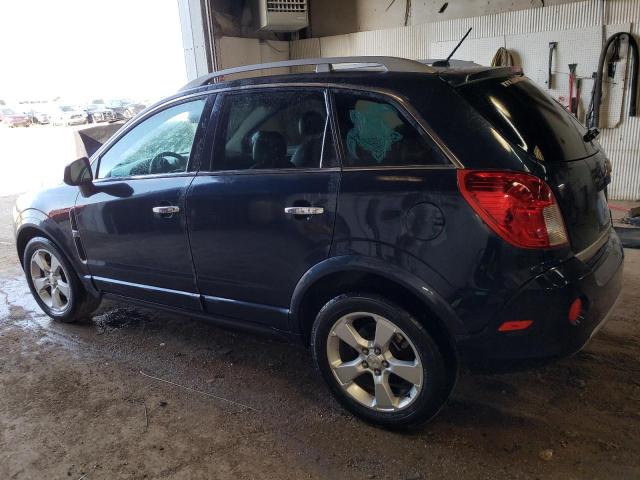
(546, 300)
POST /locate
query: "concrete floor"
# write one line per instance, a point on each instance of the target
(78, 401)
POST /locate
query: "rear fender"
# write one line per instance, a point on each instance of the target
(421, 289)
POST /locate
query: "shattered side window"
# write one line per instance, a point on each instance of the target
(373, 129)
(158, 145)
(374, 133)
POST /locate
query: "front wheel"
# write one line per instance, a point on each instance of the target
(379, 362)
(54, 284)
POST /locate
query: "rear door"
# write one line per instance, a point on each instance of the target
(264, 212)
(536, 124)
(132, 223)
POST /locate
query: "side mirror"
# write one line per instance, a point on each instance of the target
(78, 172)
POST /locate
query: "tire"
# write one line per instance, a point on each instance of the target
(47, 266)
(411, 351)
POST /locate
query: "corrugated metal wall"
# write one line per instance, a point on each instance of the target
(621, 143)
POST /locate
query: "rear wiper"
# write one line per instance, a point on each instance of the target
(591, 134)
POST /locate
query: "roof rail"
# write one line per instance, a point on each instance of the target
(390, 64)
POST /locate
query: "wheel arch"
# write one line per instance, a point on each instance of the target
(31, 223)
(25, 235)
(368, 275)
(37, 227)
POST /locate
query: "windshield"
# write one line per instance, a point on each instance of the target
(66, 108)
(529, 118)
(8, 111)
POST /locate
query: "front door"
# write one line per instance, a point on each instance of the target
(132, 221)
(265, 212)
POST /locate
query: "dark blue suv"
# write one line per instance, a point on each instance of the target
(400, 222)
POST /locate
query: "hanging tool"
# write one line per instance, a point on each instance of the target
(578, 93)
(588, 117)
(614, 58)
(552, 47)
(597, 88)
(573, 100)
(502, 58)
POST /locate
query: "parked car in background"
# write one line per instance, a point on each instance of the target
(38, 115)
(97, 112)
(124, 109)
(398, 224)
(68, 115)
(12, 118)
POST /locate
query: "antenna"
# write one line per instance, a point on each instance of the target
(445, 63)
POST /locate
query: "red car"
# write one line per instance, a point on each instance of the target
(12, 118)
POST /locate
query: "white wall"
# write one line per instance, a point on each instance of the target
(336, 17)
(576, 26)
(237, 51)
(193, 27)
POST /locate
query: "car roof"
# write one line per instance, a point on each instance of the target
(362, 72)
(386, 78)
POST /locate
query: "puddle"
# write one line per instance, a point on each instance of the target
(15, 294)
(18, 308)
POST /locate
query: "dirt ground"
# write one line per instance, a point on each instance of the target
(79, 402)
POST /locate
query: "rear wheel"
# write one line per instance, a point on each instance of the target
(379, 362)
(54, 284)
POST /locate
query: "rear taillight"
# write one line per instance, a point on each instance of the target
(519, 207)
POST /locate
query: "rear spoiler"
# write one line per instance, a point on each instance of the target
(458, 78)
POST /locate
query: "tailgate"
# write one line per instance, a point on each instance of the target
(538, 126)
(579, 188)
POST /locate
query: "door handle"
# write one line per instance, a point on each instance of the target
(304, 210)
(166, 210)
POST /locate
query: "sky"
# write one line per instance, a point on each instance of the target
(87, 49)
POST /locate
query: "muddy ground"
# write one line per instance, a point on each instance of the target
(78, 401)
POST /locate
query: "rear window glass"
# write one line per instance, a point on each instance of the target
(528, 117)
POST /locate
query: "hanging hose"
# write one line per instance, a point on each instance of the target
(502, 58)
(597, 96)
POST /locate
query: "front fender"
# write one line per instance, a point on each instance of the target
(433, 300)
(55, 227)
(26, 219)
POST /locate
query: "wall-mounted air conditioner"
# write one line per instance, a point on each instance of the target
(282, 15)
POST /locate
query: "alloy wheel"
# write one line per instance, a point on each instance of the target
(374, 361)
(50, 280)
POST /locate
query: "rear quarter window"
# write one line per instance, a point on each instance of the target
(376, 133)
(529, 118)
